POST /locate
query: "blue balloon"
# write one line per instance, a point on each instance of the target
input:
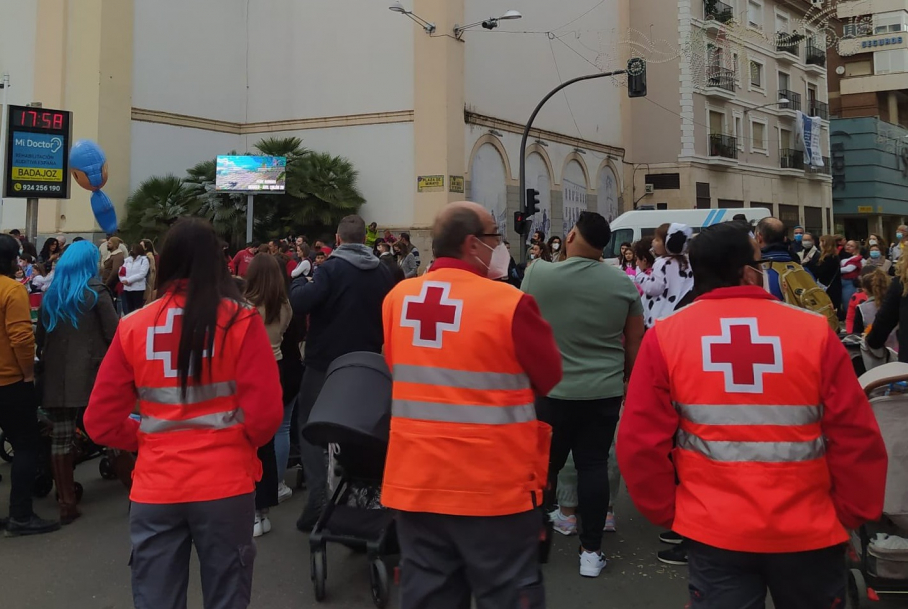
(88, 164)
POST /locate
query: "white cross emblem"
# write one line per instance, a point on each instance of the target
(742, 355)
(431, 314)
(166, 357)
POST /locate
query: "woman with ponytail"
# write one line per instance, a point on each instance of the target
(199, 365)
(76, 324)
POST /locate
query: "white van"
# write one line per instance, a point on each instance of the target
(632, 226)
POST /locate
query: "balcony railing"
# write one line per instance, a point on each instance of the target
(818, 108)
(815, 55)
(791, 159)
(718, 11)
(794, 99)
(826, 169)
(721, 78)
(725, 146)
(788, 43)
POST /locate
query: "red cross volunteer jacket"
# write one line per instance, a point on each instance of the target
(776, 448)
(467, 355)
(200, 447)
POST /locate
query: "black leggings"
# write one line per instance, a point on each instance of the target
(132, 301)
(19, 421)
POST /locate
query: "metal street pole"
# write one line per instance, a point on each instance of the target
(4, 84)
(526, 135)
(249, 215)
(31, 206)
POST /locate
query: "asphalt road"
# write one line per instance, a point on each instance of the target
(83, 566)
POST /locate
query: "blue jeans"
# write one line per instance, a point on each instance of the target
(282, 441)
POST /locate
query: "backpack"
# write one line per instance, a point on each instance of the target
(800, 289)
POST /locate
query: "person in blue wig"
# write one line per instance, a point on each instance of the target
(76, 324)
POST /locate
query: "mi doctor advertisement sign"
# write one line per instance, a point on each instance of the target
(37, 153)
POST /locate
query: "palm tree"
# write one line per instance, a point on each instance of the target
(326, 185)
(225, 211)
(155, 205)
(320, 190)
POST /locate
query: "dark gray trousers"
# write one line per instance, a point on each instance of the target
(315, 465)
(722, 579)
(162, 537)
(447, 559)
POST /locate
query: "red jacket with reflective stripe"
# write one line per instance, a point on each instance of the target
(776, 446)
(201, 447)
(464, 436)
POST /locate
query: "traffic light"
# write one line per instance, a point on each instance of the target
(532, 202)
(522, 223)
(636, 77)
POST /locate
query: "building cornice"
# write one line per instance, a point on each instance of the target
(159, 117)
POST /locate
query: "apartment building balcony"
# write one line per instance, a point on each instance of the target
(791, 159)
(788, 47)
(825, 170)
(720, 82)
(723, 146)
(794, 102)
(714, 10)
(815, 57)
(818, 108)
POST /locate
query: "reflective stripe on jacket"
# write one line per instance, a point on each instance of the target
(745, 379)
(192, 447)
(464, 435)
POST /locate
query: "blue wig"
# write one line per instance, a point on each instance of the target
(68, 294)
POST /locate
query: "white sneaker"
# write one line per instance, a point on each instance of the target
(284, 492)
(566, 525)
(266, 524)
(591, 563)
(257, 528)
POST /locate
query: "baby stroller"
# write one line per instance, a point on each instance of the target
(352, 418)
(862, 359)
(877, 563)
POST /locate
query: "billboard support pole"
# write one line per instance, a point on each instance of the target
(31, 219)
(249, 214)
(4, 84)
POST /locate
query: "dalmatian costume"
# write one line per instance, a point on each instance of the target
(671, 279)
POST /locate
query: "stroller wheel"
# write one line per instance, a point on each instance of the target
(105, 468)
(6, 449)
(381, 589)
(319, 564)
(857, 590)
(43, 486)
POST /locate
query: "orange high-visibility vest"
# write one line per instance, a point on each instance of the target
(464, 436)
(750, 452)
(191, 449)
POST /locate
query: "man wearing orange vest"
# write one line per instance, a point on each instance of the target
(467, 458)
(776, 450)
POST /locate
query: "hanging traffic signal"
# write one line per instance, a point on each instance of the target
(522, 223)
(636, 77)
(532, 202)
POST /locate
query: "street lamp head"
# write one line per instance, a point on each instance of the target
(512, 14)
(397, 7)
(784, 102)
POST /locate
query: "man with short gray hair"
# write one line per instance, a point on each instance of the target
(344, 304)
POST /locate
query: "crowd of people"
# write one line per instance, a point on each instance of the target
(207, 366)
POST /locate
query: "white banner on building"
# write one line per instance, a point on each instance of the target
(574, 204)
(808, 131)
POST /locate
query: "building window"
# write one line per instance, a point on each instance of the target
(782, 23)
(758, 136)
(755, 13)
(785, 139)
(784, 82)
(756, 74)
(734, 60)
(890, 62)
(892, 21)
(859, 26)
(716, 123)
(739, 132)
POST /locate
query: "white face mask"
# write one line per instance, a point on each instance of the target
(556, 246)
(498, 265)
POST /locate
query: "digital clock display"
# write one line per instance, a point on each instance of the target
(37, 153)
(36, 118)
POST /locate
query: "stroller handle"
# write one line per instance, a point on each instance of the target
(883, 375)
